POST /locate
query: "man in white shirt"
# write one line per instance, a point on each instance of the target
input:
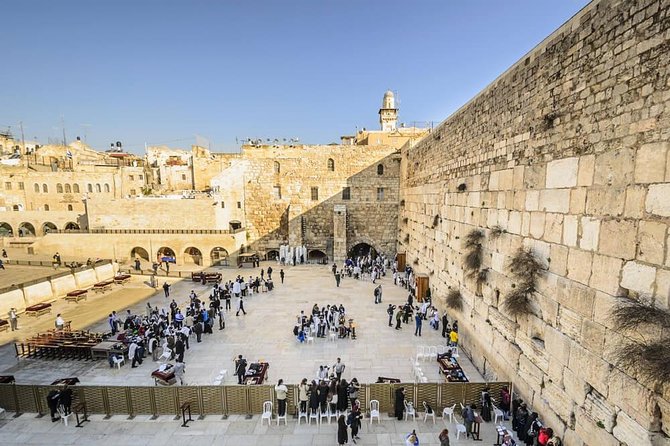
(179, 371)
(237, 289)
(60, 323)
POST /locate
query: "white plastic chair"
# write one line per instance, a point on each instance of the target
(267, 412)
(454, 352)
(374, 411)
(409, 410)
(314, 415)
(165, 356)
(426, 414)
(432, 353)
(332, 336)
(325, 414)
(310, 339)
(302, 415)
(118, 361)
(282, 417)
(498, 414)
(420, 353)
(449, 411)
(64, 418)
(460, 429)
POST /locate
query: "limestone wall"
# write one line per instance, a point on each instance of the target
(568, 153)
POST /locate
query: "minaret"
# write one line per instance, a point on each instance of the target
(388, 114)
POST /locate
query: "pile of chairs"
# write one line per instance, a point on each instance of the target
(428, 353)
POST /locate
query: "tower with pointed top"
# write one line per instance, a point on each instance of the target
(388, 114)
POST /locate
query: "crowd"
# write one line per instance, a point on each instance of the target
(323, 320)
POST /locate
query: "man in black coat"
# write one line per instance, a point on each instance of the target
(240, 369)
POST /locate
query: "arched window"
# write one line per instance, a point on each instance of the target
(331, 164)
(75, 188)
(68, 189)
(277, 167)
(380, 169)
(106, 187)
(98, 188)
(46, 207)
(89, 187)
(69, 207)
(45, 188)
(37, 188)
(59, 188)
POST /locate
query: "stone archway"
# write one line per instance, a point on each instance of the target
(166, 254)
(48, 227)
(272, 254)
(362, 249)
(218, 255)
(26, 230)
(72, 226)
(139, 252)
(6, 230)
(192, 255)
(317, 256)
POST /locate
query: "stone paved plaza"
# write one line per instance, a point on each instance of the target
(264, 333)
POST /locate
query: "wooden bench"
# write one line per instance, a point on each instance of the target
(76, 295)
(38, 309)
(120, 279)
(103, 286)
(4, 325)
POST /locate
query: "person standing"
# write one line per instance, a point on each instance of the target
(52, 401)
(179, 371)
(445, 324)
(240, 306)
(338, 277)
(399, 403)
(179, 348)
(339, 368)
(166, 289)
(390, 311)
(354, 421)
(137, 264)
(342, 434)
(281, 275)
(240, 369)
(222, 320)
(281, 390)
(197, 329)
(398, 319)
(303, 396)
(13, 319)
(468, 415)
(418, 321)
(270, 272)
(133, 354)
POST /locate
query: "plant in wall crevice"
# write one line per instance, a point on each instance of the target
(473, 252)
(525, 269)
(648, 359)
(454, 300)
(497, 231)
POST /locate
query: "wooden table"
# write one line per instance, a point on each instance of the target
(38, 309)
(102, 350)
(120, 279)
(4, 325)
(258, 377)
(103, 286)
(76, 295)
(165, 377)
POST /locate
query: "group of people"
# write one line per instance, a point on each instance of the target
(528, 427)
(322, 320)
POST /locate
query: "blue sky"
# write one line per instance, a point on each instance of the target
(164, 71)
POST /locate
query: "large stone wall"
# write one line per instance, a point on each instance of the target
(568, 153)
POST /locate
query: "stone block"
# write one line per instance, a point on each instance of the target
(617, 238)
(605, 201)
(525, 224)
(629, 432)
(557, 345)
(534, 176)
(559, 259)
(532, 200)
(577, 200)
(537, 224)
(651, 237)
(632, 397)
(575, 387)
(650, 161)
(562, 173)
(600, 410)
(555, 200)
(560, 403)
(533, 375)
(590, 232)
(570, 230)
(635, 198)
(638, 277)
(663, 287)
(615, 167)
(553, 228)
(586, 167)
(587, 429)
(579, 265)
(518, 177)
(593, 336)
(576, 297)
(658, 200)
(605, 274)
(533, 350)
(589, 367)
(514, 222)
(570, 323)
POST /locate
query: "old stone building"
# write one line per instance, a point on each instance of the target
(566, 154)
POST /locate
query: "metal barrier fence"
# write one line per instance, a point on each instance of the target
(225, 400)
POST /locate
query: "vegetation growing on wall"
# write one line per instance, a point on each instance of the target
(454, 300)
(496, 232)
(525, 269)
(473, 252)
(647, 359)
